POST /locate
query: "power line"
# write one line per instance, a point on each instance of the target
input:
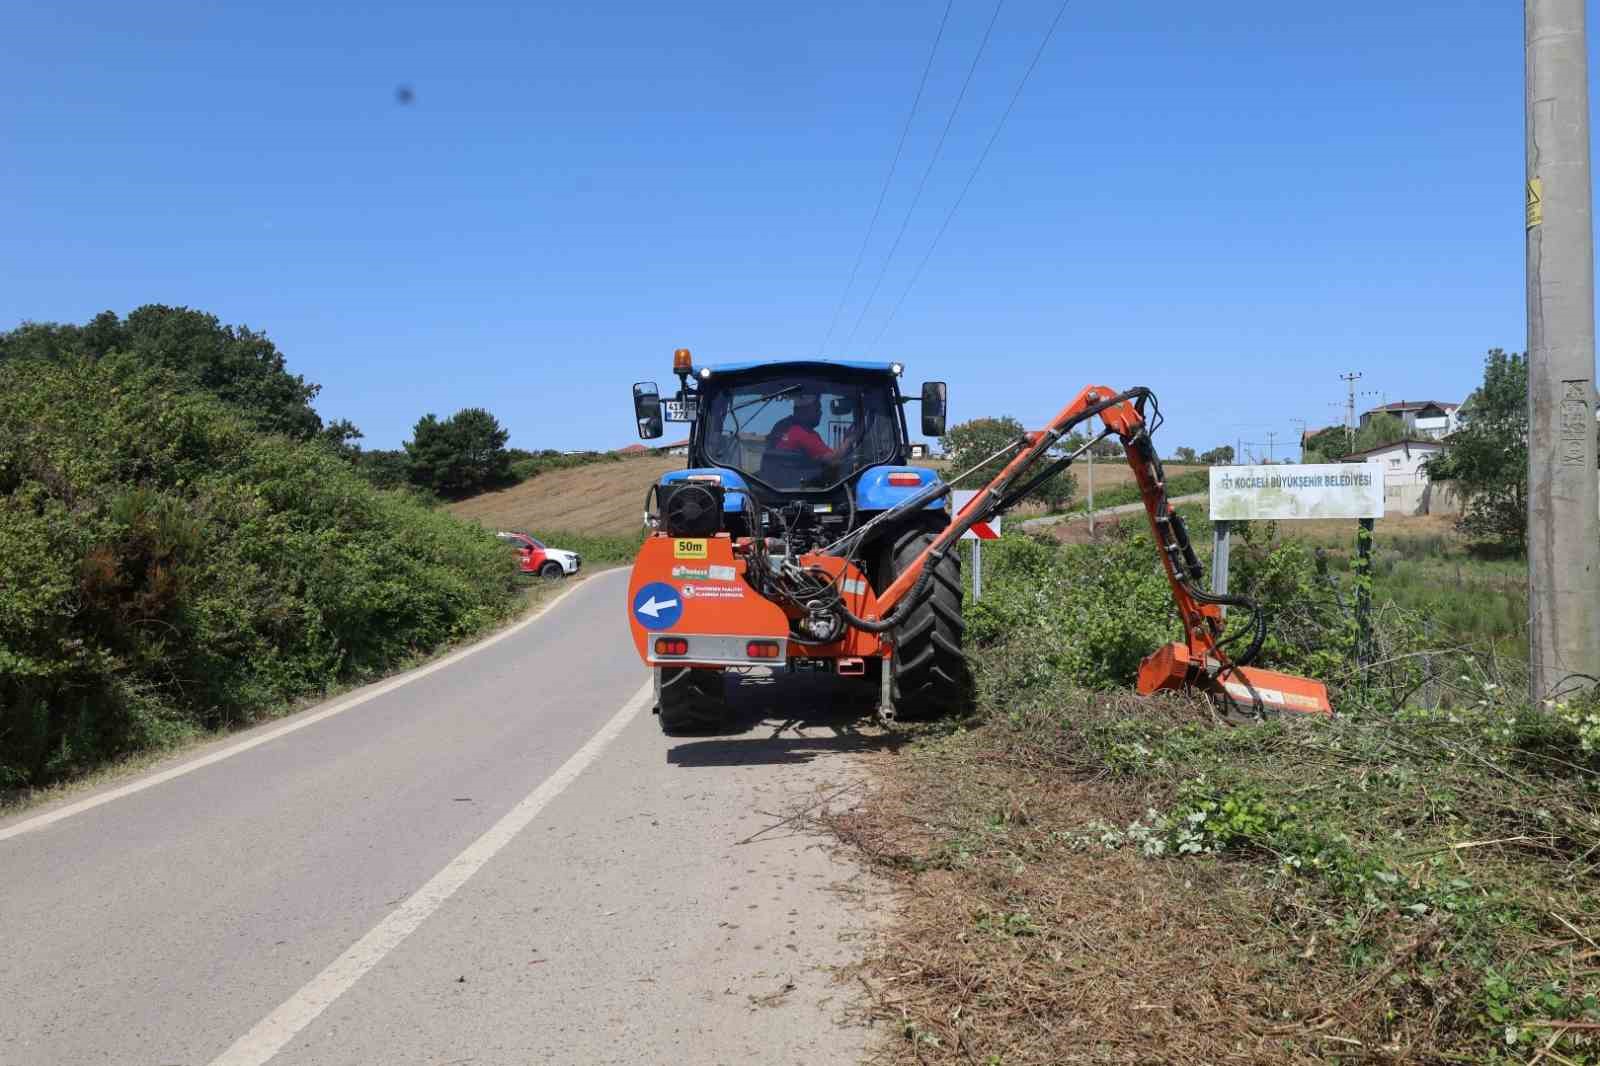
(889, 178)
(916, 274)
(932, 160)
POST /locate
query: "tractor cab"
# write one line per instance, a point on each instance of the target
(828, 438)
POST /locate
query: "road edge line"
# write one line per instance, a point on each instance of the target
(274, 1032)
(380, 688)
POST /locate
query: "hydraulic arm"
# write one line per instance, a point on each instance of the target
(1200, 660)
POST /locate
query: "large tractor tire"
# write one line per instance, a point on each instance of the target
(930, 671)
(692, 701)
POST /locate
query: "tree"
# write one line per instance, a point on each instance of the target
(1327, 445)
(965, 445)
(1185, 455)
(1220, 456)
(341, 435)
(1487, 457)
(239, 365)
(385, 468)
(458, 455)
(1382, 428)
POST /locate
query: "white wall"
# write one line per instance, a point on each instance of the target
(1405, 486)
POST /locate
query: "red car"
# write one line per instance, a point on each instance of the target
(538, 558)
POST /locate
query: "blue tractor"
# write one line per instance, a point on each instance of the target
(786, 510)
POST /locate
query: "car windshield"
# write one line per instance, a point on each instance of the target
(800, 431)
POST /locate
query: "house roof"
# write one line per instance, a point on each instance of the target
(1427, 445)
(1413, 405)
(633, 449)
(684, 443)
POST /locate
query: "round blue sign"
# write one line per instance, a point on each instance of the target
(658, 606)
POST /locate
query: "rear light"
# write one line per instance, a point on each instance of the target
(672, 646)
(905, 478)
(762, 649)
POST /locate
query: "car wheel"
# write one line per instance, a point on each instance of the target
(552, 570)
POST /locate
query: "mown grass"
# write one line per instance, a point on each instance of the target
(1093, 877)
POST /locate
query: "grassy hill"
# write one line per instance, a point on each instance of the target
(607, 499)
(601, 499)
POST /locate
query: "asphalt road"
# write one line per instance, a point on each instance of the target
(500, 860)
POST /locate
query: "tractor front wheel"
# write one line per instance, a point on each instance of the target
(930, 670)
(691, 701)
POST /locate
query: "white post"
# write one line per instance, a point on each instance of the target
(977, 570)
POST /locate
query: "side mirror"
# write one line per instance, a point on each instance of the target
(933, 408)
(647, 409)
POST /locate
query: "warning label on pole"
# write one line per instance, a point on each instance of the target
(1535, 202)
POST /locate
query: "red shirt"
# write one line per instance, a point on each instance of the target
(801, 439)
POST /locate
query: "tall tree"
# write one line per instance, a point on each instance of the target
(236, 363)
(970, 442)
(1327, 445)
(1382, 428)
(1487, 457)
(1220, 456)
(460, 454)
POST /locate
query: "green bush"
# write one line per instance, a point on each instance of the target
(1085, 613)
(166, 568)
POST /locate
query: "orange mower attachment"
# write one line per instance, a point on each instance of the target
(1199, 661)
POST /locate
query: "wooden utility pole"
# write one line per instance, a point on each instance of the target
(1563, 498)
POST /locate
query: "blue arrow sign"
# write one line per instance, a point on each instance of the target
(658, 606)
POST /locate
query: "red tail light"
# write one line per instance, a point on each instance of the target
(672, 646)
(762, 649)
(905, 478)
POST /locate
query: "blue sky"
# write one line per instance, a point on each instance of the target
(1232, 204)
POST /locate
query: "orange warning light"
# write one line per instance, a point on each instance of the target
(682, 362)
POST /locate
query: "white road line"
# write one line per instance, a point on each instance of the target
(274, 1032)
(28, 825)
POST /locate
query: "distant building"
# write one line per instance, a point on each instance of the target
(677, 447)
(634, 449)
(1428, 419)
(1406, 489)
(919, 451)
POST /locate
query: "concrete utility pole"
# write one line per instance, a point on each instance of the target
(1563, 528)
(1350, 379)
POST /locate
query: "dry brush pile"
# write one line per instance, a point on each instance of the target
(1093, 877)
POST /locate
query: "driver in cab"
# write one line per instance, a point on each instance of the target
(796, 434)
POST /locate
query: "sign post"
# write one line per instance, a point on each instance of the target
(1219, 557)
(1301, 491)
(980, 532)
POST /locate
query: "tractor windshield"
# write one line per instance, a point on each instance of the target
(799, 431)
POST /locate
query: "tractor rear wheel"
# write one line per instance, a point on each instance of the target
(692, 701)
(930, 671)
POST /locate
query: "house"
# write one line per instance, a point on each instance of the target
(1406, 488)
(632, 450)
(677, 447)
(1429, 419)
